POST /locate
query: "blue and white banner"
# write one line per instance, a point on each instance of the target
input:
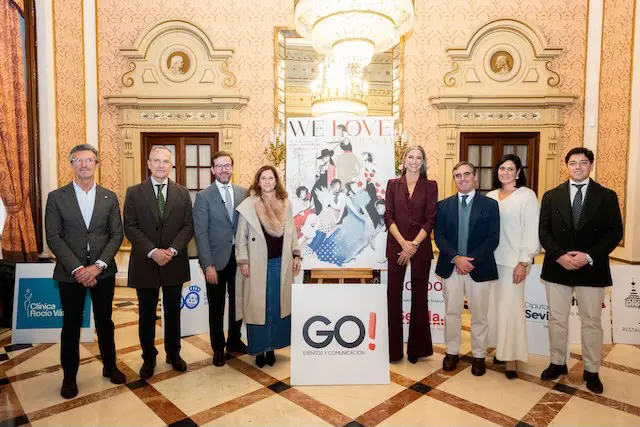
(194, 305)
(37, 310)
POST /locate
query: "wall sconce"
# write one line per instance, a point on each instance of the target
(275, 150)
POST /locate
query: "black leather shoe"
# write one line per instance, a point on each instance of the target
(146, 371)
(478, 368)
(69, 388)
(270, 358)
(237, 346)
(450, 362)
(260, 360)
(413, 359)
(177, 362)
(512, 375)
(554, 371)
(114, 374)
(497, 361)
(218, 358)
(593, 382)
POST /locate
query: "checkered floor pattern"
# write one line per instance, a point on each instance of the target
(241, 394)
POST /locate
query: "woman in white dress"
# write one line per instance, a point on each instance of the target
(519, 244)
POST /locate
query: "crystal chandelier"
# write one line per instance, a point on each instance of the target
(339, 89)
(353, 30)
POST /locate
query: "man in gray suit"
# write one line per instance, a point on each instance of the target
(215, 220)
(84, 232)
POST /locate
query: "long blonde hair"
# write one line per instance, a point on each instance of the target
(423, 168)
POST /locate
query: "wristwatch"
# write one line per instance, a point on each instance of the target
(524, 264)
(100, 266)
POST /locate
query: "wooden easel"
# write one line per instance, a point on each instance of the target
(339, 274)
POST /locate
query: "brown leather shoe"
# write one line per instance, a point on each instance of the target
(450, 362)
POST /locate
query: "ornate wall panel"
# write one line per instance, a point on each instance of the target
(246, 26)
(443, 23)
(69, 75)
(615, 96)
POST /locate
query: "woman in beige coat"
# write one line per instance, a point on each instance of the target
(268, 257)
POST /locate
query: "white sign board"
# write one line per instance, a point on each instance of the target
(435, 305)
(37, 310)
(537, 315)
(194, 305)
(625, 302)
(536, 312)
(339, 334)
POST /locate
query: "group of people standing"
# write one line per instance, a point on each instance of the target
(248, 247)
(487, 244)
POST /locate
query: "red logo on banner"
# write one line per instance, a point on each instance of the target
(372, 330)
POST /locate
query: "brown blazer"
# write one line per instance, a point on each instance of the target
(411, 214)
(146, 230)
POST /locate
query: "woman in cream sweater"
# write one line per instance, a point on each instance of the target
(519, 244)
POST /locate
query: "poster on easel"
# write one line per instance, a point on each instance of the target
(336, 175)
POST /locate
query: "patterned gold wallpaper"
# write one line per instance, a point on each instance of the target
(446, 23)
(615, 96)
(69, 74)
(247, 26)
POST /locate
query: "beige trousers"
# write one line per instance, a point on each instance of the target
(590, 301)
(454, 289)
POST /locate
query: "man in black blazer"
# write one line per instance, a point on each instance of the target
(215, 221)
(580, 225)
(84, 232)
(467, 233)
(158, 223)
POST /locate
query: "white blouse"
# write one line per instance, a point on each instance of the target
(519, 218)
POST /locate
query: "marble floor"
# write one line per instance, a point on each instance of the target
(241, 394)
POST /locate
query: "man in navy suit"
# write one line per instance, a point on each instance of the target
(580, 225)
(467, 233)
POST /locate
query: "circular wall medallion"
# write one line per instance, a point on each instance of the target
(502, 62)
(177, 63)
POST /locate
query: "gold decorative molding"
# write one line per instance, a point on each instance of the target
(502, 81)
(126, 80)
(230, 79)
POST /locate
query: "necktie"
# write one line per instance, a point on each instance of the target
(576, 207)
(160, 199)
(227, 202)
(464, 200)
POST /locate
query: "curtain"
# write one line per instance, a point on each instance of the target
(18, 237)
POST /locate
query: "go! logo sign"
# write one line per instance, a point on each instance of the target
(324, 337)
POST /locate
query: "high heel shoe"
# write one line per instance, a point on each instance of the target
(270, 358)
(260, 360)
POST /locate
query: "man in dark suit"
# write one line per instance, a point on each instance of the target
(580, 225)
(158, 223)
(215, 221)
(467, 233)
(84, 232)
